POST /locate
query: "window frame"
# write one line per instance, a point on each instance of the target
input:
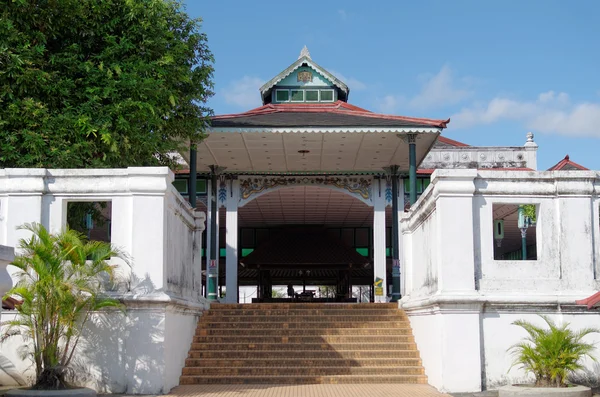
(289, 96)
(312, 90)
(292, 95)
(326, 100)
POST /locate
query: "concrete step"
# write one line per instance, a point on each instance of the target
(304, 346)
(302, 354)
(308, 305)
(301, 371)
(336, 379)
(301, 331)
(303, 343)
(305, 322)
(302, 362)
(304, 312)
(304, 339)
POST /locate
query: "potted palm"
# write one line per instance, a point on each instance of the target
(59, 285)
(550, 354)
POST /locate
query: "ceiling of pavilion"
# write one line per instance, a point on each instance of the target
(308, 152)
(305, 205)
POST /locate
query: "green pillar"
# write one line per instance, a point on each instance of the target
(412, 167)
(213, 265)
(395, 236)
(524, 243)
(193, 175)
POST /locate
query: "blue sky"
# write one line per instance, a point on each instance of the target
(498, 69)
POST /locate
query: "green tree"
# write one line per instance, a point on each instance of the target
(551, 354)
(100, 83)
(60, 282)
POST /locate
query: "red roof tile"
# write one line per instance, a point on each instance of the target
(590, 301)
(337, 108)
(451, 142)
(566, 164)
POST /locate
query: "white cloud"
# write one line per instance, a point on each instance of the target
(549, 113)
(343, 14)
(437, 90)
(351, 82)
(390, 103)
(440, 90)
(244, 92)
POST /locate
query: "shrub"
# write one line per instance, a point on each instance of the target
(551, 354)
(59, 284)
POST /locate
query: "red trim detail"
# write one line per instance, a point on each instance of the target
(590, 301)
(334, 107)
(451, 142)
(564, 162)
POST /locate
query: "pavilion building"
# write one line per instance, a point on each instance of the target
(310, 190)
(308, 162)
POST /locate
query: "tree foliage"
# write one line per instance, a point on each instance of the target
(100, 83)
(60, 281)
(553, 353)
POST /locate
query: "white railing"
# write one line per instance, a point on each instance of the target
(448, 234)
(183, 233)
(150, 221)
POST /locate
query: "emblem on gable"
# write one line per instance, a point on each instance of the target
(305, 76)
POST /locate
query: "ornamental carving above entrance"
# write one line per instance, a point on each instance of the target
(356, 186)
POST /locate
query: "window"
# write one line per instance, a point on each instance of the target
(422, 184)
(514, 231)
(91, 218)
(312, 96)
(297, 95)
(181, 184)
(326, 95)
(282, 95)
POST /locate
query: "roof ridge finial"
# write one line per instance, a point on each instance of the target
(304, 53)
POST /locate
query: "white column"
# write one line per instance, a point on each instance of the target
(531, 151)
(379, 259)
(400, 239)
(208, 230)
(199, 220)
(454, 212)
(22, 203)
(148, 218)
(231, 225)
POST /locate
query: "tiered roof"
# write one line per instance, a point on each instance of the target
(336, 114)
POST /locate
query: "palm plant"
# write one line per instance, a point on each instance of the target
(60, 282)
(551, 354)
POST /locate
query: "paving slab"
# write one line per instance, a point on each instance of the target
(345, 390)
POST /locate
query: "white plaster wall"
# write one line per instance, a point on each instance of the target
(142, 351)
(428, 334)
(424, 277)
(183, 278)
(463, 328)
(179, 332)
(499, 335)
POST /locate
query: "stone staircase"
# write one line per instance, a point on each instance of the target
(303, 343)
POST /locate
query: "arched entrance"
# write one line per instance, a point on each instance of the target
(315, 239)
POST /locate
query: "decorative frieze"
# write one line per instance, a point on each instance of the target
(476, 157)
(354, 185)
